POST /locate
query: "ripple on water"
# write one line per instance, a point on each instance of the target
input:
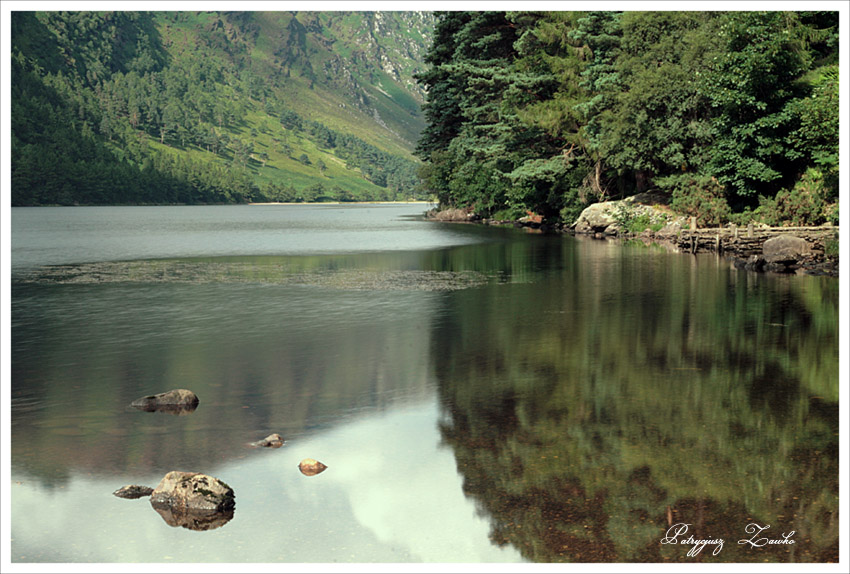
(162, 271)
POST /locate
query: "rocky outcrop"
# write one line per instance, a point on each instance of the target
(597, 218)
(192, 491)
(778, 250)
(311, 467)
(607, 217)
(274, 440)
(176, 401)
(188, 499)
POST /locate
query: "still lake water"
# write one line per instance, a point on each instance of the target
(478, 394)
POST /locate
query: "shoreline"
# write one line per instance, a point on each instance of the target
(743, 248)
(415, 202)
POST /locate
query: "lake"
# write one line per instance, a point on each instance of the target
(478, 394)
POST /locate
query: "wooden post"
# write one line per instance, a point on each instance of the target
(693, 223)
(717, 243)
(750, 230)
(734, 231)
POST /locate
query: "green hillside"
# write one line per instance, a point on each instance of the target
(210, 107)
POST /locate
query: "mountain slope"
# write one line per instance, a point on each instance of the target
(203, 107)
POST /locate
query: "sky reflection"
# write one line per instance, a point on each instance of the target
(391, 494)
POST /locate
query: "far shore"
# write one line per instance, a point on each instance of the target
(417, 202)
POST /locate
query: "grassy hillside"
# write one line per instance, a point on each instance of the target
(204, 107)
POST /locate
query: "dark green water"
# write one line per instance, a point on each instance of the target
(479, 395)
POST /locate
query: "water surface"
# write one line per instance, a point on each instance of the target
(478, 394)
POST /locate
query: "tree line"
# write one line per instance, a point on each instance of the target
(732, 115)
(103, 112)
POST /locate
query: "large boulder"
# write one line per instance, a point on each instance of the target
(596, 218)
(176, 401)
(785, 249)
(192, 491)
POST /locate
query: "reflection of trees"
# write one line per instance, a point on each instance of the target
(583, 407)
(260, 358)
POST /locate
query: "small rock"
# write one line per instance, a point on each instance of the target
(133, 491)
(311, 467)
(274, 440)
(755, 263)
(176, 401)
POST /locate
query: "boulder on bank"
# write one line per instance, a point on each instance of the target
(274, 440)
(606, 217)
(597, 218)
(192, 491)
(176, 401)
(785, 249)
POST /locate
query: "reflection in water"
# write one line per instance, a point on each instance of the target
(392, 494)
(593, 410)
(590, 397)
(193, 519)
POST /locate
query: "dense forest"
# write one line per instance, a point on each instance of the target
(207, 107)
(732, 115)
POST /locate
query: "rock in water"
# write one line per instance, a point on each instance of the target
(133, 491)
(274, 440)
(192, 491)
(176, 401)
(785, 249)
(311, 467)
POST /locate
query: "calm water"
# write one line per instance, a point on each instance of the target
(478, 394)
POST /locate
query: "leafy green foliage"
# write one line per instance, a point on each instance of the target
(807, 203)
(547, 111)
(632, 221)
(699, 196)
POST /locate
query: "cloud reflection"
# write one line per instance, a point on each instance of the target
(406, 491)
(390, 494)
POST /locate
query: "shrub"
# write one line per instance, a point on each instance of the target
(698, 196)
(634, 221)
(830, 247)
(807, 203)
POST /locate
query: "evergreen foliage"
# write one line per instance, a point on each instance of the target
(729, 113)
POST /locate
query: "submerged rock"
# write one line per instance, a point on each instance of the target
(274, 440)
(133, 491)
(192, 491)
(176, 401)
(311, 467)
